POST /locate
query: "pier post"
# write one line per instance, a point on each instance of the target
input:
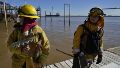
(45, 18)
(6, 25)
(69, 15)
(64, 15)
(40, 14)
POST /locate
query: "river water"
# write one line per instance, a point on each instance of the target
(61, 37)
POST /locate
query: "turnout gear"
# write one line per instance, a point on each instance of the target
(90, 45)
(76, 63)
(88, 40)
(36, 48)
(27, 11)
(28, 42)
(99, 59)
(92, 27)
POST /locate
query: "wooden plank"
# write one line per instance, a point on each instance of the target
(112, 57)
(107, 59)
(47, 66)
(52, 66)
(64, 64)
(69, 63)
(71, 60)
(44, 67)
(58, 65)
(94, 65)
(111, 65)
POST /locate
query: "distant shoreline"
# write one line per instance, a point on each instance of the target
(77, 16)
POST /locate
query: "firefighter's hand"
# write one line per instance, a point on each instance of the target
(25, 50)
(99, 59)
(76, 50)
(40, 59)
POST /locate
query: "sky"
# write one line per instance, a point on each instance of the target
(78, 7)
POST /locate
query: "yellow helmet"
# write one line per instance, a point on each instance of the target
(96, 12)
(27, 11)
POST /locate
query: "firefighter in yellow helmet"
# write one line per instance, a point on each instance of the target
(28, 42)
(87, 42)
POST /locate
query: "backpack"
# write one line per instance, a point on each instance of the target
(90, 41)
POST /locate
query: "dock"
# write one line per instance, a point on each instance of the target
(111, 59)
(11, 11)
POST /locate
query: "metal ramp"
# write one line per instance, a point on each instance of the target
(110, 60)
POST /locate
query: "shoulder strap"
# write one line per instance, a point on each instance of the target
(82, 47)
(85, 28)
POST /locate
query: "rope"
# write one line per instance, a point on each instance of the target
(64, 53)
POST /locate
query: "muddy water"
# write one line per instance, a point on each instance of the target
(5, 61)
(56, 40)
(60, 37)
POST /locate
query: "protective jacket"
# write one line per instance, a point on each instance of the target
(92, 27)
(39, 47)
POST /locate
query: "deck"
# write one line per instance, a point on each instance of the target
(111, 59)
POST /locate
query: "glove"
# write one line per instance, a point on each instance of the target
(82, 54)
(83, 60)
(99, 59)
(25, 51)
(40, 59)
(76, 50)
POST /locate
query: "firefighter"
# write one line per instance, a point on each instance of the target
(87, 42)
(28, 42)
